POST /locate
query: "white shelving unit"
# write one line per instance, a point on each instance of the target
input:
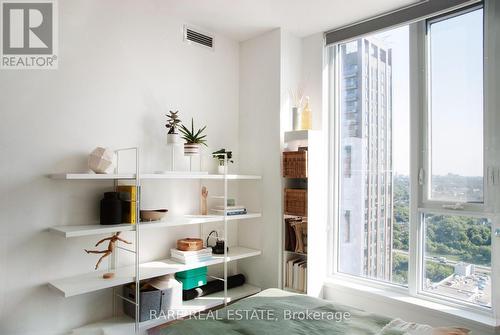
(149, 176)
(125, 325)
(91, 282)
(293, 140)
(318, 232)
(96, 229)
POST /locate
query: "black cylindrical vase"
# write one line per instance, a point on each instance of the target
(111, 208)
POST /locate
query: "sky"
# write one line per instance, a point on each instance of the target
(456, 52)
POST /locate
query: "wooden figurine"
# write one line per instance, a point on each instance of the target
(111, 247)
(203, 201)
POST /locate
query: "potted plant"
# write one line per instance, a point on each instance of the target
(173, 123)
(193, 139)
(221, 155)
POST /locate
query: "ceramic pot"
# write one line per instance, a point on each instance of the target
(191, 149)
(111, 208)
(221, 168)
(173, 138)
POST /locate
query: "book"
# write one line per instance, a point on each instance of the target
(128, 195)
(231, 208)
(230, 212)
(296, 274)
(190, 260)
(131, 192)
(181, 253)
(129, 214)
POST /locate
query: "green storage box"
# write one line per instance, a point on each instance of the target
(192, 278)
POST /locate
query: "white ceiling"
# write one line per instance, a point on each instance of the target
(244, 19)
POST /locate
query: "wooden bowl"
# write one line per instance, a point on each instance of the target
(189, 244)
(153, 214)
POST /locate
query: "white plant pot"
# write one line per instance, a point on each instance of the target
(220, 169)
(191, 149)
(173, 138)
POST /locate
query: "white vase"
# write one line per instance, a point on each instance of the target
(296, 118)
(220, 169)
(191, 149)
(173, 139)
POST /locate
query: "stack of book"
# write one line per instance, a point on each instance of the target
(296, 274)
(230, 210)
(190, 257)
(128, 196)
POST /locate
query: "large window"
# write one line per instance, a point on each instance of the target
(456, 107)
(457, 258)
(441, 178)
(374, 116)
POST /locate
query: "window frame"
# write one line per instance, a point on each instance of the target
(419, 144)
(426, 169)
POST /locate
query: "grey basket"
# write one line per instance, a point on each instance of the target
(151, 303)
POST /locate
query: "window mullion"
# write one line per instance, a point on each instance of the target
(491, 141)
(417, 135)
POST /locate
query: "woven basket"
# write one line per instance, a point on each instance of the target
(295, 164)
(295, 202)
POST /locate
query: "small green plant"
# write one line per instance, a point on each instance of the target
(192, 137)
(219, 155)
(173, 122)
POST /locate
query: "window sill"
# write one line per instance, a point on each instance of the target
(481, 319)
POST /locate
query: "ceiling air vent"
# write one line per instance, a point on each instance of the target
(192, 35)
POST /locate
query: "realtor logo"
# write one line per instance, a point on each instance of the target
(29, 38)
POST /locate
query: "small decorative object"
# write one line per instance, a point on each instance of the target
(111, 209)
(193, 139)
(101, 160)
(193, 278)
(218, 248)
(189, 244)
(306, 122)
(221, 155)
(296, 97)
(173, 123)
(203, 201)
(153, 214)
(111, 247)
(108, 275)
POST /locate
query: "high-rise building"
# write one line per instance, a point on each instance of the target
(366, 174)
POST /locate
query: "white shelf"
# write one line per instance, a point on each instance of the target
(97, 229)
(124, 325)
(93, 281)
(296, 135)
(207, 302)
(151, 176)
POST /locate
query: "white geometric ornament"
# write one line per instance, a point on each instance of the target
(101, 160)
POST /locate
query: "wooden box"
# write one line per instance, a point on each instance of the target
(295, 164)
(295, 202)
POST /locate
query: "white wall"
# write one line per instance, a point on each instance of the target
(312, 78)
(259, 139)
(122, 66)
